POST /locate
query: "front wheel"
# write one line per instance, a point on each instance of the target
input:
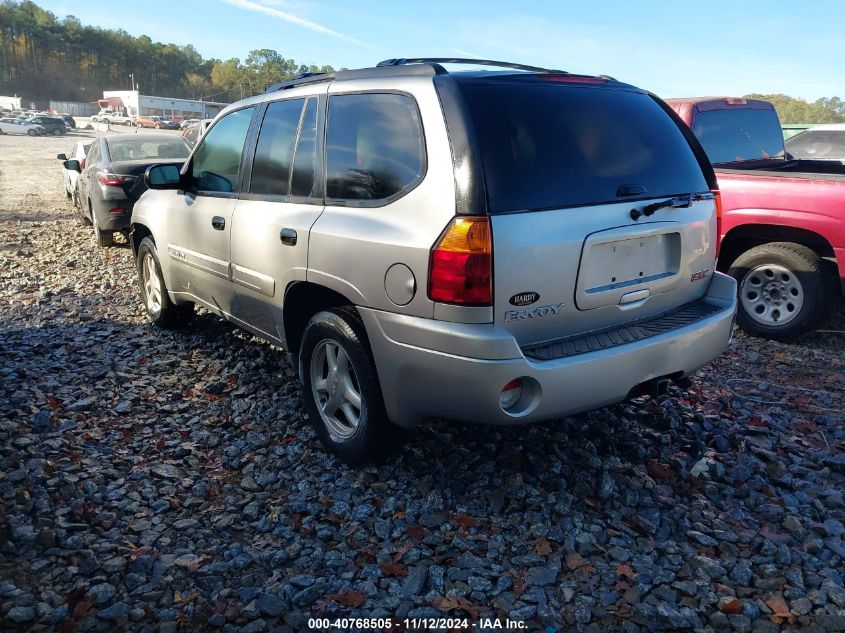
(31, 133)
(161, 310)
(341, 388)
(781, 290)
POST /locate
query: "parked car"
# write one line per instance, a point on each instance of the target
(71, 176)
(193, 132)
(541, 240)
(69, 120)
(820, 142)
(9, 125)
(109, 115)
(53, 125)
(110, 177)
(187, 122)
(158, 122)
(783, 223)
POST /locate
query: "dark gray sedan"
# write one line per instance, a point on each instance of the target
(111, 178)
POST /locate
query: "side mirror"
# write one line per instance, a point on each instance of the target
(73, 165)
(62, 156)
(162, 177)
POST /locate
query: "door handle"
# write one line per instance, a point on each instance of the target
(288, 237)
(218, 223)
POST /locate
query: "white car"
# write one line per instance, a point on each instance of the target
(19, 126)
(820, 142)
(71, 177)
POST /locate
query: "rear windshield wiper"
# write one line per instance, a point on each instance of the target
(678, 202)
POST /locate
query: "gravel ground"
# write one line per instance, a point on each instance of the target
(158, 481)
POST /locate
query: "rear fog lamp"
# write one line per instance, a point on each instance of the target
(511, 393)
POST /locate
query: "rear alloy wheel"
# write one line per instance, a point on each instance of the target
(104, 238)
(161, 310)
(341, 389)
(781, 290)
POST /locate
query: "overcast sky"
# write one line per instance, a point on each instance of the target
(674, 49)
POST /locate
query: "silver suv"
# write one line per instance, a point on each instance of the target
(500, 246)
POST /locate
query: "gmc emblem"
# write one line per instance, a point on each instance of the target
(701, 274)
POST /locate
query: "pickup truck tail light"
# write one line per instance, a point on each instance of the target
(110, 180)
(82, 164)
(461, 263)
(717, 198)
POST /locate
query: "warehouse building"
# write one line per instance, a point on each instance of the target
(135, 104)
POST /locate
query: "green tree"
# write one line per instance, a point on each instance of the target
(792, 110)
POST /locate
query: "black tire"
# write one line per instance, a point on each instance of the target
(168, 316)
(781, 290)
(31, 133)
(157, 126)
(373, 438)
(104, 239)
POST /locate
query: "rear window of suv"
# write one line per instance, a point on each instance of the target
(546, 146)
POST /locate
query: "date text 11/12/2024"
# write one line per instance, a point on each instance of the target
(414, 624)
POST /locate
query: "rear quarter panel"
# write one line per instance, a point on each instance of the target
(812, 204)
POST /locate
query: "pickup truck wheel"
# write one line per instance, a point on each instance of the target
(341, 389)
(161, 310)
(781, 290)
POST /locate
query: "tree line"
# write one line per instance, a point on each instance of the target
(43, 57)
(792, 110)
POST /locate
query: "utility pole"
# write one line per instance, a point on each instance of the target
(132, 79)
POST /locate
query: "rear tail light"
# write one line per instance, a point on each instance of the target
(735, 101)
(461, 264)
(717, 196)
(110, 180)
(82, 164)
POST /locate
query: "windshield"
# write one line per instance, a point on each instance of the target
(143, 150)
(739, 134)
(550, 145)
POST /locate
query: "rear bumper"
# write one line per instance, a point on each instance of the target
(433, 369)
(113, 220)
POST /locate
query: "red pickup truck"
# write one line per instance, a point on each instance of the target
(783, 220)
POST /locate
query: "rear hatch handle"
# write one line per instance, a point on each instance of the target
(678, 202)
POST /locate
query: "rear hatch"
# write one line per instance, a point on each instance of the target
(133, 174)
(131, 155)
(568, 164)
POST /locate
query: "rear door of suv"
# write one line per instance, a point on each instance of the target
(571, 168)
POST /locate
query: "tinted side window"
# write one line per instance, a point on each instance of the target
(217, 160)
(305, 162)
(93, 154)
(374, 146)
(741, 134)
(274, 151)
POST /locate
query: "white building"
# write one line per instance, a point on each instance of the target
(135, 104)
(10, 103)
